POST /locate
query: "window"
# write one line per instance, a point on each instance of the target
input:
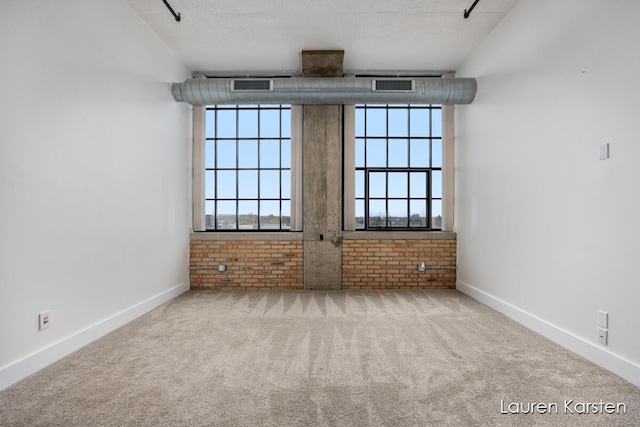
(247, 167)
(398, 167)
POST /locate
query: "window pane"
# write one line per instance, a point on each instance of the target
(359, 121)
(398, 153)
(209, 184)
(436, 153)
(270, 214)
(209, 154)
(418, 213)
(248, 154)
(419, 153)
(418, 184)
(286, 214)
(248, 215)
(286, 123)
(210, 215)
(378, 184)
(226, 184)
(377, 213)
(436, 184)
(248, 124)
(436, 214)
(360, 184)
(240, 169)
(376, 121)
(398, 213)
(398, 183)
(436, 122)
(248, 184)
(359, 153)
(226, 217)
(286, 184)
(210, 124)
(393, 151)
(376, 153)
(419, 122)
(226, 124)
(269, 154)
(269, 123)
(360, 213)
(286, 153)
(226, 154)
(269, 184)
(398, 122)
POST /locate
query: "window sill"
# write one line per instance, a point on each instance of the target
(246, 235)
(404, 235)
(346, 235)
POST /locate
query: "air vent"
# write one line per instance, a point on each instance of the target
(252, 85)
(395, 85)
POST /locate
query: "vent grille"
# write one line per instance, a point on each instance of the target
(393, 85)
(252, 85)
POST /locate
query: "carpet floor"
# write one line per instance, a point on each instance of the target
(321, 358)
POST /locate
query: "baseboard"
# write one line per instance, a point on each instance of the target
(15, 372)
(590, 351)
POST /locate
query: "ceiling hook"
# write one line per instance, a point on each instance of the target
(175, 15)
(467, 12)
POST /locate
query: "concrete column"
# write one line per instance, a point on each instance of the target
(322, 179)
(322, 192)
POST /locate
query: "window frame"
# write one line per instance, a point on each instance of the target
(352, 168)
(211, 202)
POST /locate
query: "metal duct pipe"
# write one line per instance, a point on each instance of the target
(353, 90)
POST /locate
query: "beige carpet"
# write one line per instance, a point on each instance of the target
(358, 358)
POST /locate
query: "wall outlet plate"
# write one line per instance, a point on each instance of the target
(45, 319)
(603, 336)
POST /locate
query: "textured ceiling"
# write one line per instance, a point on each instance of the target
(217, 36)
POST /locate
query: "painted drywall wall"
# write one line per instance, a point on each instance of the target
(545, 227)
(94, 174)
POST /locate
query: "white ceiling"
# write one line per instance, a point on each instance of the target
(218, 36)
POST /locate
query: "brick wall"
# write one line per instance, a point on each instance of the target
(250, 264)
(393, 264)
(276, 262)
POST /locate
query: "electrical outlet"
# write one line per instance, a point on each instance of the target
(45, 318)
(603, 336)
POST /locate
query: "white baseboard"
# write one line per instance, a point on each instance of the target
(23, 368)
(590, 351)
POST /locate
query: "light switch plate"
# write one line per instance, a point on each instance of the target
(603, 319)
(604, 151)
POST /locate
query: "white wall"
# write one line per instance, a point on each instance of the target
(548, 233)
(94, 176)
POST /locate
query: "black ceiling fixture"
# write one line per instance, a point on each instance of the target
(177, 15)
(467, 12)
